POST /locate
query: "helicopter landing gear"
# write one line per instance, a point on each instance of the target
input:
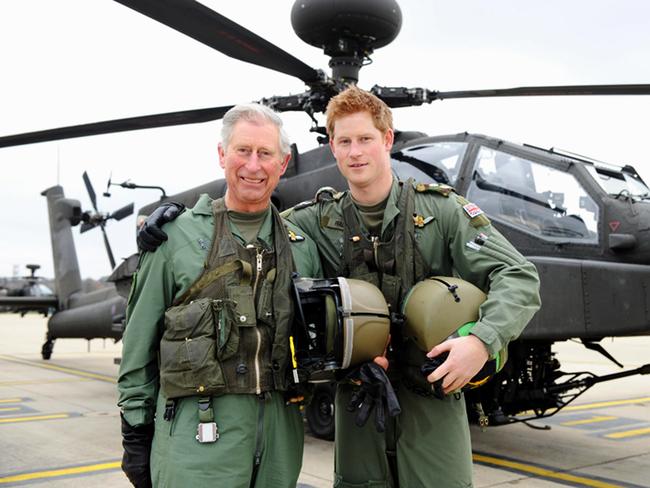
(320, 411)
(46, 350)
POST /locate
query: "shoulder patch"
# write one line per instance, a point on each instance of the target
(440, 188)
(477, 217)
(332, 223)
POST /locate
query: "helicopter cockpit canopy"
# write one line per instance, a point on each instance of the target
(438, 162)
(534, 197)
(617, 182)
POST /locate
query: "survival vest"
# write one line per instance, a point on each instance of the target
(394, 263)
(229, 332)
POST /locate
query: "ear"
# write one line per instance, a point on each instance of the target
(222, 157)
(389, 138)
(285, 163)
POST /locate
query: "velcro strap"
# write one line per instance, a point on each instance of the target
(206, 412)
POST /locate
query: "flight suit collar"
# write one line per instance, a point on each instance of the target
(203, 205)
(265, 233)
(391, 211)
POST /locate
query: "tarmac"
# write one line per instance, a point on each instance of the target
(59, 425)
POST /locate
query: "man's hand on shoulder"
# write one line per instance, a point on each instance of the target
(150, 235)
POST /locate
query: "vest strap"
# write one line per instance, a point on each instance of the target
(214, 275)
(206, 412)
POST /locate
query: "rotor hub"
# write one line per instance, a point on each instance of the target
(347, 31)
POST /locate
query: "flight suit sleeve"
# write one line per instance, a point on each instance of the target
(138, 380)
(483, 256)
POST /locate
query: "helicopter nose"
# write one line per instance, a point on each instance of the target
(629, 232)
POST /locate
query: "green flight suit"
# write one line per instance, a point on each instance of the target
(430, 436)
(177, 459)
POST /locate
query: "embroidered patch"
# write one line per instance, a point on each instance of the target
(472, 210)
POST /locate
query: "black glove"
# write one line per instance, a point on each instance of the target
(150, 235)
(429, 366)
(375, 392)
(137, 449)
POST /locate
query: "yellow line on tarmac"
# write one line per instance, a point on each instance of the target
(592, 420)
(34, 417)
(543, 472)
(60, 472)
(628, 433)
(62, 369)
(9, 409)
(606, 404)
(588, 406)
(11, 400)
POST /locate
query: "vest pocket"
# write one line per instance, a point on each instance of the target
(188, 351)
(227, 338)
(265, 304)
(244, 305)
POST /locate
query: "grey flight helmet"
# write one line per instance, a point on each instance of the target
(339, 323)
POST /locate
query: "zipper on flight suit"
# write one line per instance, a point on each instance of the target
(259, 252)
(375, 247)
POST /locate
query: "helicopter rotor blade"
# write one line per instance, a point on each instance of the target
(91, 190)
(212, 29)
(533, 91)
(108, 247)
(86, 226)
(122, 213)
(118, 125)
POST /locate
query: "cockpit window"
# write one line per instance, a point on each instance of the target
(436, 162)
(533, 197)
(619, 183)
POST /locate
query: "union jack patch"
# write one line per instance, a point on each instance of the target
(472, 210)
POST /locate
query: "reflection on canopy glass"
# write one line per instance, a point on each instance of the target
(536, 198)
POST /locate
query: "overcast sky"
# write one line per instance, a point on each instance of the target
(77, 61)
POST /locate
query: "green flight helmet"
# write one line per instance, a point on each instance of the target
(339, 323)
(441, 308)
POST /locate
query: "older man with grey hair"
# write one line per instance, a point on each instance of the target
(204, 375)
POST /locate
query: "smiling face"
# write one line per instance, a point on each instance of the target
(253, 164)
(362, 153)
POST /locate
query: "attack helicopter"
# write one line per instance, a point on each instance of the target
(582, 222)
(29, 285)
(73, 313)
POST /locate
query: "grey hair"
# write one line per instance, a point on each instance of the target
(253, 112)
